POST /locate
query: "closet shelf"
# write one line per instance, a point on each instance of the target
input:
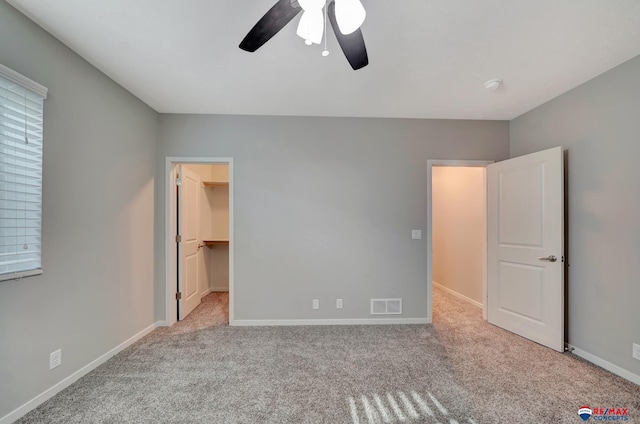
(215, 184)
(211, 243)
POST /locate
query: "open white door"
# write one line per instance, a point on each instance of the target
(525, 281)
(189, 244)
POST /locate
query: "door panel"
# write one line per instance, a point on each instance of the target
(188, 227)
(525, 201)
(522, 188)
(520, 290)
(191, 273)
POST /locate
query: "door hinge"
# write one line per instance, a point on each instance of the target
(178, 238)
(178, 295)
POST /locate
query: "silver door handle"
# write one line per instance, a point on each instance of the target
(549, 258)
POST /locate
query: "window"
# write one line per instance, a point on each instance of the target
(21, 110)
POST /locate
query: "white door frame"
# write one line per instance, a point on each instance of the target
(466, 163)
(170, 231)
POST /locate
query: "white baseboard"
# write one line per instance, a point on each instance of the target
(458, 295)
(358, 321)
(58, 387)
(204, 293)
(219, 289)
(627, 375)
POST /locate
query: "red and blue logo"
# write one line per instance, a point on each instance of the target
(585, 412)
(603, 414)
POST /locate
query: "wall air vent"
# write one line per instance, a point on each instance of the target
(386, 306)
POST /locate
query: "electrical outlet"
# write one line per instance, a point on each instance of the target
(338, 303)
(416, 234)
(55, 359)
(636, 351)
(316, 303)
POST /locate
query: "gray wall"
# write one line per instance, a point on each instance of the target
(599, 125)
(97, 235)
(324, 207)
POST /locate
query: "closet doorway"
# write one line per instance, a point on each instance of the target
(457, 231)
(199, 243)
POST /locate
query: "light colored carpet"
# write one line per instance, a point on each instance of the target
(458, 370)
(212, 312)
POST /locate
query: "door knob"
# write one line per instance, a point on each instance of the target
(549, 258)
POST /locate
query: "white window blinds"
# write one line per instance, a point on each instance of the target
(21, 112)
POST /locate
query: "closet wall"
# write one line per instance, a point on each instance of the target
(218, 202)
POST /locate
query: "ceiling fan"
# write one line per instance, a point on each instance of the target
(346, 17)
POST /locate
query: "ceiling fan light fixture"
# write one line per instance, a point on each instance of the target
(350, 15)
(311, 26)
(311, 4)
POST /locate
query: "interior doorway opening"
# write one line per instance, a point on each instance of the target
(199, 242)
(523, 282)
(457, 231)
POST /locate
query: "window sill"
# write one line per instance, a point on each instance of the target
(20, 275)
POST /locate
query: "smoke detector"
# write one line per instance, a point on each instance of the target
(493, 84)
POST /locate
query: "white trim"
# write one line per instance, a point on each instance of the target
(219, 289)
(458, 295)
(204, 293)
(58, 387)
(170, 231)
(430, 165)
(485, 272)
(619, 371)
(170, 216)
(20, 275)
(355, 321)
(23, 81)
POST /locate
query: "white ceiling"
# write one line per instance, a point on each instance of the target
(428, 58)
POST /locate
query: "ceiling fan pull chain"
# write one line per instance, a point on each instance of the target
(325, 52)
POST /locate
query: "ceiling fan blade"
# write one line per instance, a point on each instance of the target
(352, 45)
(269, 25)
